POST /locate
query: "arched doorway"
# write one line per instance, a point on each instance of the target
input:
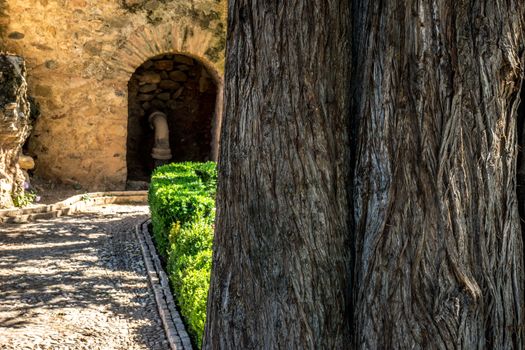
(185, 91)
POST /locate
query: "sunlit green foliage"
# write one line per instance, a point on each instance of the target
(182, 204)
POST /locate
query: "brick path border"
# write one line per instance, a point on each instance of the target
(176, 333)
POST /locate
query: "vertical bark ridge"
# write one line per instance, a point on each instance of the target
(281, 265)
(439, 248)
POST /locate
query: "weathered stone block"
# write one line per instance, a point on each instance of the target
(165, 96)
(183, 68)
(150, 78)
(184, 59)
(148, 64)
(169, 84)
(144, 97)
(164, 65)
(178, 76)
(148, 88)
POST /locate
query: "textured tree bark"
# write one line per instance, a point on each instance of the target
(439, 261)
(281, 265)
(520, 179)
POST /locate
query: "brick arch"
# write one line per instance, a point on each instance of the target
(148, 42)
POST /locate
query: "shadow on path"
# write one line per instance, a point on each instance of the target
(78, 281)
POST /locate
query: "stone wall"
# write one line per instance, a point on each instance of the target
(80, 56)
(15, 125)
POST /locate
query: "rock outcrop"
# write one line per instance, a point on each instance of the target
(15, 125)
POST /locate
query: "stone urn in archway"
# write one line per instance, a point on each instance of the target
(181, 90)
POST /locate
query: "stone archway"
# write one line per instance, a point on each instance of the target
(184, 90)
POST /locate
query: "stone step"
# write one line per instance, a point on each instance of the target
(72, 205)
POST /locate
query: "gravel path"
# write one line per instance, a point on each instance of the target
(77, 283)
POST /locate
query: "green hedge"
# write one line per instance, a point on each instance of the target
(182, 205)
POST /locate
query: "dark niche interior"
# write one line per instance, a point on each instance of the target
(181, 88)
(520, 169)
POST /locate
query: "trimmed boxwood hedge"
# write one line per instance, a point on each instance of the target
(182, 205)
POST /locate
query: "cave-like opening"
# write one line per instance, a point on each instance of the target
(181, 88)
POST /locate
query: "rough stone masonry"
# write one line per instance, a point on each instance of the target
(80, 56)
(15, 125)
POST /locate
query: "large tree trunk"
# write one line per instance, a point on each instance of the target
(281, 266)
(436, 240)
(520, 180)
(439, 260)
